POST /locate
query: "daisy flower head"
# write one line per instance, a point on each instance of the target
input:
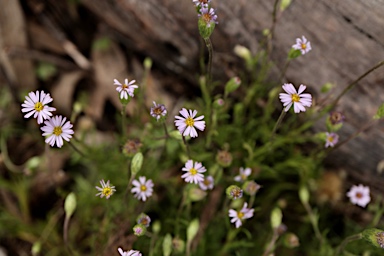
(298, 99)
(244, 173)
(331, 140)
(193, 172)
(57, 129)
(208, 15)
(106, 189)
(143, 219)
(126, 88)
(207, 183)
(36, 104)
(239, 216)
(202, 3)
(234, 192)
(359, 195)
(139, 230)
(130, 253)
(143, 188)
(187, 123)
(158, 111)
(303, 45)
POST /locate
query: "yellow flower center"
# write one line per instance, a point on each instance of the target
(57, 130)
(39, 106)
(189, 121)
(157, 110)
(330, 139)
(206, 182)
(295, 97)
(143, 188)
(207, 17)
(144, 221)
(240, 215)
(359, 195)
(193, 171)
(303, 46)
(243, 176)
(124, 86)
(107, 191)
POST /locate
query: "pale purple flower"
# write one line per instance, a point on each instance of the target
(130, 253)
(202, 3)
(57, 129)
(193, 172)
(331, 140)
(36, 104)
(239, 216)
(106, 189)
(207, 183)
(158, 110)
(187, 123)
(143, 188)
(243, 174)
(126, 88)
(299, 99)
(208, 15)
(359, 195)
(303, 45)
(143, 219)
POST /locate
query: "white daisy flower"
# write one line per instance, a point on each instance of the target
(359, 195)
(193, 172)
(303, 45)
(142, 188)
(57, 129)
(207, 183)
(186, 124)
(201, 2)
(130, 253)
(36, 104)
(239, 216)
(126, 88)
(106, 189)
(299, 99)
(244, 173)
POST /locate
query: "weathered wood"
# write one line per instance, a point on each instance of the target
(346, 36)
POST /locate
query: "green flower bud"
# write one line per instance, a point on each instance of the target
(167, 245)
(293, 54)
(290, 240)
(178, 245)
(136, 164)
(276, 217)
(232, 85)
(70, 204)
(192, 230)
(196, 194)
(242, 52)
(148, 63)
(156, 227)
(374, 236)
(36, 248)
(304, 194)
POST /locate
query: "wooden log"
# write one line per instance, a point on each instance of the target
(346, 37)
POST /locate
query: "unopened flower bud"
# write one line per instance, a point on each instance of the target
(178, 245)
(196, 194)
(131, 147)
(374, 236)
(251, 187)
(224, 158)
(70, 204)
(290, 240)
(137, 162)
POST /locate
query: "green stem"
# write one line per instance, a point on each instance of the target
(123, 120)
(272, 31)
(347, 240)
(352, 85)
(210, 56)
(287, 62)
(278, 123)
(271, 245)
(187, 147)
(314, 223)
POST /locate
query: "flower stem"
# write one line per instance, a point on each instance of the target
(287, 62)
(314, 223)
(271, 245)
(278, 123)
(210, 56)
(365, 127)
(123, 120)
(272, 31)
(347, 240)
(352, 85)
(186, 146)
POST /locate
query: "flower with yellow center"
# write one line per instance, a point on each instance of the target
(193, 172)
(186, 123)
(207, 183)
(36, 104)
(303, 45)
(126, 89)
(143, 188)
(331, 140)
(208, 15)
(158, 111)
(298, 99)
(243, 174)
(56, 129)
(106, 189)
(239, 216)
